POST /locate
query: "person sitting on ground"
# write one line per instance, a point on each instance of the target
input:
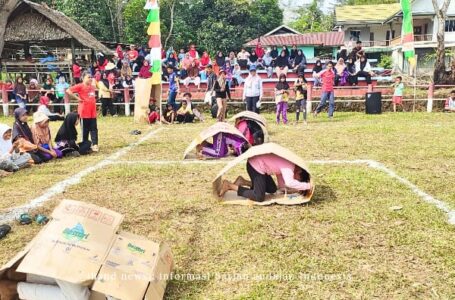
(187, 97)
(169, 114)
(66, 138)
(20, 90)
(60, 90)
(145, 73)
(184, 113)
(154, 115)
(341, 73)
(42, 137)
(11, 159)
(363, 69)
(222, 143)
(44, 108)
(282, 64)
(260, 169)
(449, 105)
(316, 70)
(193, 75)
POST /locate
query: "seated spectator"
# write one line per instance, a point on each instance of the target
(145, 71)
(34, 91)
(341, 73)
(259, 50)
(23, 137)
(363, 69)
(20, 91)
(48, 90)
(126, 69)
(133, 54)
(128, 83)
(449, 105)
(66, 138)
(44, 108)
(282, 64)
(204, 61)
(185, 64)
(286, 51)
(350, 67)
(242, 58)
(137, 65)
(184, 113)
(169, 114)
(11, 159)
(102, 61)
(154, 115)
(253, 59)
(60, 90)
(232, 59)
(316, 70)
(299, 62)
(193, 52)
(343, 53)
(193, 75)
(229, 76)
(357, 52)
(237, 79)
(274, 53)
(268, 64)
(220, 61)
(42, 137)
(181, 55)
(293, 54)
(9, 87)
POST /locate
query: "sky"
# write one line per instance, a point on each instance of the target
(290, 5)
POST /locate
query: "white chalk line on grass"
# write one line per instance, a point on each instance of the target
(58, 188)
(441, 205)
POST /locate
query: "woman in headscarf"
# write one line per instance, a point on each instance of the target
(299, 61)
(220, 61)
(22, 135)
(253, 59)
(66, 138)
(105, 90)
(60, 90)
(259, 50)
(274, 52)
(232, 58)
(204, 61)
(102, 61)
(42, 137)
(316, 70)
(222, 92)
(363, 69)
(281, 99)
(341, 74)
(145, 70)
(20, 90)
(34, 91)
(126, 69)
(48, 89)
(350, 67)
(11, 159)
(282, 64)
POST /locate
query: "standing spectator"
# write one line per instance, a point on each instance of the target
(341, 73)
(327, 77)
(105, 90)
(281, 99)
(204, 61)
(449, 105)
(242, 58)
(343, 53)
(220, 61)
(20, 90)
(300, 98)
(363, 69)
(132, 54)
(86, 97)
(232, 59)
(350, 67)
(252, 91)
(173, 87)
(357, 52)
(222, 92)
(193, 75)
(60, 90)
(259, 50)
(76, 72)
(211, 79)
(316, 70)
(398, 94)
(282, 64)
(299, 62)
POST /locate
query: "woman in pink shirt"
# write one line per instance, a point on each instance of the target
(260, 169)
(327, 77)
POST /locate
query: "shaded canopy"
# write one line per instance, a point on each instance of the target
(38, 24)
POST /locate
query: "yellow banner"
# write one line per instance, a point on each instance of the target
(154, 28)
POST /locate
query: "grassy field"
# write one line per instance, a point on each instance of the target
(346, 244)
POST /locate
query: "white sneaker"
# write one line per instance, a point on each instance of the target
(95, 148)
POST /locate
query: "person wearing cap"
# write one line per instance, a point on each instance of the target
(86, 97)
(252, 91)
(42, 137)
(222, 92)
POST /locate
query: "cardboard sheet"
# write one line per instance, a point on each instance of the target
(252, 116)
(143, 89)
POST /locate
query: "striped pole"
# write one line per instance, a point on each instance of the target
(154, 43)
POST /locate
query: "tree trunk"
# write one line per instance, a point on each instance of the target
(440, 66)
(111, 16)
(5, 10)
(119, 16)
(172, 24)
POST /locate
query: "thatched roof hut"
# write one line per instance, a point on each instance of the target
(33, 23)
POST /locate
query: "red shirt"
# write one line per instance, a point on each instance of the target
(87, 105)
(76, 71)
(133, 54)
(154, 117)
(328, 80)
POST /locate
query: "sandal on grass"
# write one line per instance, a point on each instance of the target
(41, 219)
(4, 230)
(25, 219)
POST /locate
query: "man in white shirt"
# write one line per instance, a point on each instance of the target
(252, 91)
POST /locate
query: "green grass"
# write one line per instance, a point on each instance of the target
(348, 233)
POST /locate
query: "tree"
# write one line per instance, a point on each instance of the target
(312, 19)
(440, 66)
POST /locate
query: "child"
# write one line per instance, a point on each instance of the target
(42, 137)
(154, 115)
(222, 142)
(281, 99)
(66, 138)
(20, 90)
(173, 87)
(398, 94)
(328, 79)
(43, 107)
(169, 115)
(450, 103)
(300, 98)
(60, 90)
(11, 160)
(187, 97)
(185, 114)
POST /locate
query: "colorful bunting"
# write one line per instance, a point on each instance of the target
(154, 43)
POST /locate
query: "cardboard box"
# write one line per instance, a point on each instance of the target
(277, 198)
(252, 116)
(208, 133)
(80, 245)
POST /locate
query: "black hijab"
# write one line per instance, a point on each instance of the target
(317, 68)
(274, 53)
(68, 131)
(298, 57)
(220, 60)
(282, 85)
(21, 129)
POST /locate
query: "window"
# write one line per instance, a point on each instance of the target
(450, 26)
(371, 36)
(418, 30)
(355, 35)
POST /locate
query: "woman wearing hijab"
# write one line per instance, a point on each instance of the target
(48, 89)
(220, 60)
(204, 61)
(232, 58)
(259, 50)
(274, 52)
(11, 159)
(316, 70)
(281, 99)
(23, 137)
(20, 90)
(363, 69)
(253, 59)
(286, 50)
(282, 64)
(145, 70)
(34, 91)
(350, 67)
(42, 137)
(105, 94)
(299, 62)
(222, 92)
(66, 138)
(294, 52)
(341, 73)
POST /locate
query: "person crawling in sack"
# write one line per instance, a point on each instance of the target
(260, 169)
(251, 131)
(222, 144)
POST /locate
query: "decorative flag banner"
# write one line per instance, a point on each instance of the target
(407, 32)
(154, 43)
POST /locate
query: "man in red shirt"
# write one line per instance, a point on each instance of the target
(328, 80)
(86, 97)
